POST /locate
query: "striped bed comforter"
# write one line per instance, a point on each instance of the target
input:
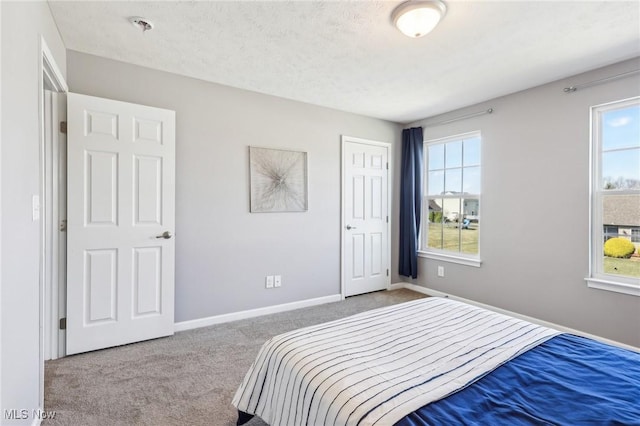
(376, 367)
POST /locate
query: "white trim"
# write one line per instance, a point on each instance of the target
(436, 293)
(2, 342)
(50, 72)
(61, 211)
(447, 255)
(616, 286)
(46, 201)
(454, 138)
(251, 313)
(346, 138)
(467, 261)
(47, 69)
(597, 277)
(396, 286)
(342, 221)
(343, 140)
(53, 112)
(50, 68)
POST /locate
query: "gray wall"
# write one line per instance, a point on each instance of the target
(223, 252)
(535, 154)
(22, 25)
(535, 208)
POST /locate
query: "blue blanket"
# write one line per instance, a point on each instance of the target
(568, 380)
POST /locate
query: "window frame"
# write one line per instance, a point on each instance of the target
(597, 277)
(441, 254)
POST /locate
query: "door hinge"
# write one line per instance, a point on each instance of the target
(387, 166)
(63, 127)
(63, 323)
(387, 272)
(387, 219)
(63, 225)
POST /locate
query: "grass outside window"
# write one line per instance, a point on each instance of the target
(447, 236)
(627, 267)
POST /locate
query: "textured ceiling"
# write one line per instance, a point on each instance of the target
(347, 55)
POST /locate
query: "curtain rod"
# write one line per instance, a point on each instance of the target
(462, 117)
(572, 89)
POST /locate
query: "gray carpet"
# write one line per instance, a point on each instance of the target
(187, 379)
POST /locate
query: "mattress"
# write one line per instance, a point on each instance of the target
(567, 380)
(377, 367)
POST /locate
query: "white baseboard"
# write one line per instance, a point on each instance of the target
(251, 313)
(396, 286)
(432, 292)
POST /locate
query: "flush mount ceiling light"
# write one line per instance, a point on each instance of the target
(142, 23)
(416, 18)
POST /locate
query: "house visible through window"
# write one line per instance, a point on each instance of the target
(451, 203)
(615, 227)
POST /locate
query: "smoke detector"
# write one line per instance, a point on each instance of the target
(142, 23)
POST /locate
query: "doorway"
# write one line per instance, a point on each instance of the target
(50, 204)
(365, 229)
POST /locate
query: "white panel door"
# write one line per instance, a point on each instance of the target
(365, 232)
(121, 214)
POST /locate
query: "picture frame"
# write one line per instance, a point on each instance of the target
(278, 180)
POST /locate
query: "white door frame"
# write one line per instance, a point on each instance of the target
(53, 214)
(344, 140)
(50, 78)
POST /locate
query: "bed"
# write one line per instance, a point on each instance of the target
(435, 361)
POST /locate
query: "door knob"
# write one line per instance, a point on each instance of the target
(166, 235)
(349, 227)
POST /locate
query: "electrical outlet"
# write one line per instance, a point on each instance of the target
(441, 271)
(277, 281)
(269, 281)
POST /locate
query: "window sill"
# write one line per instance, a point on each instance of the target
(618, 287)
(467, 261)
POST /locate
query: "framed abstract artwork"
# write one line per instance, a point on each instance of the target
(278, 180)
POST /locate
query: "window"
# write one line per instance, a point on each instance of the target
(615, 192)
(451, 201)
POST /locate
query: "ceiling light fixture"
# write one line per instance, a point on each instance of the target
(416, 18)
